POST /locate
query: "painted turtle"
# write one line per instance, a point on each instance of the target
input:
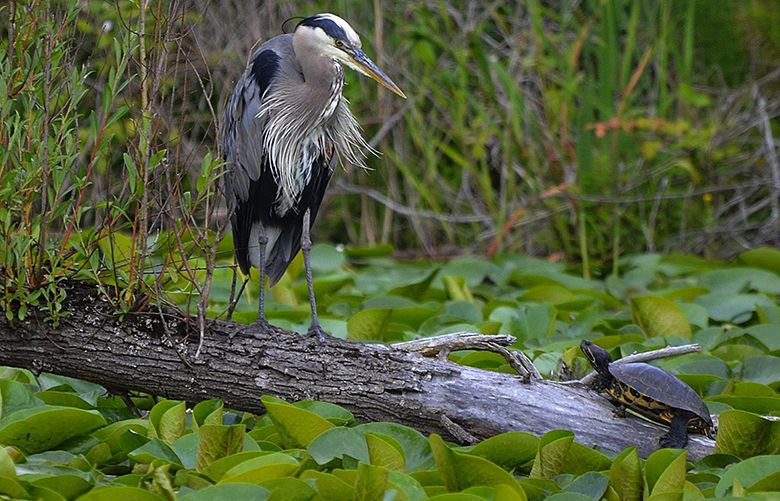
(652, 392)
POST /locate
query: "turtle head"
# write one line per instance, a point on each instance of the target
(597, 356)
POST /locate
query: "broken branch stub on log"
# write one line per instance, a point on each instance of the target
(153, 353)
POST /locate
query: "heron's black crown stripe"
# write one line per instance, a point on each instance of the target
(264, 68)
(327, 25)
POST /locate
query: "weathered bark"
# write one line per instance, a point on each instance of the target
(154, 353)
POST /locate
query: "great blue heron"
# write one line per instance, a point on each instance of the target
(285, 129)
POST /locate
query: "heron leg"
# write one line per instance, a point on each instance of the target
(315, 327)
(262, 242)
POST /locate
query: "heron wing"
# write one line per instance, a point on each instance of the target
(247, 181)
(243, 125)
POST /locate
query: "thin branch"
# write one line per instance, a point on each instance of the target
(669, 351)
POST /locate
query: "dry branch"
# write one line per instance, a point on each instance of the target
(154, 353)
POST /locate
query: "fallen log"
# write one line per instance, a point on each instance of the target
(154, 353)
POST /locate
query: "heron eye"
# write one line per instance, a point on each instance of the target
(339, 44)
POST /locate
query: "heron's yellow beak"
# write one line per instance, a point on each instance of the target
(360, 61)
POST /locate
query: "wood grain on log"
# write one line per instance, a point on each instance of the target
(153, 353)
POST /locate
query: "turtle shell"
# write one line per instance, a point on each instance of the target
(659, 385)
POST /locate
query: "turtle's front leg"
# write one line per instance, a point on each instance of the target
(677, 436)
(620, 411)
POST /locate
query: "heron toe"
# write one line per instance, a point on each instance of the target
(263, 323)
(317, 330)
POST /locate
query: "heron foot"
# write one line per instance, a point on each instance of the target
(262, 323)
(317, 330)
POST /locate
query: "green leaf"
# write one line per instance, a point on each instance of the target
(289, 489)
(744, 434)
(337, 443)
(762, 369)
(261, 469)
(336, 414)
(125, 493)
(11, 487)
(460, 496)
(363, 251)
(747, 473)
(457, 288)
(153, 450)
(460, 471)
(658, 316)
(407, 486)
(527, 321)
(226, 492)
(549, 293)
(325, 258)
(207, 412)
(369, 324)
(569, 496)
(474, 271)
(168, 420)
(186, 449)
(580, 459)
(592, 484)
(42, 428)
(385, 451)
(7, 465)
(762, 257)
(329, 486)
(15, 396)
(417, 450)
(217, 441)
(217, 469)
(768, 484)
(45, 494)
(752, 389)
(511, 450)
(416, 290)
(63, 399)
(734, 308)
(113, 433)
(553, 447)
(758, 405)
(766, 334)
(665, 471)
(371, 482)
(625, 475)
(297, 426)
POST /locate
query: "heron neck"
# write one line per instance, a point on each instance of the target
(319, 71)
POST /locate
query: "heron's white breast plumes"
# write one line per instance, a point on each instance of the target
(294, 137)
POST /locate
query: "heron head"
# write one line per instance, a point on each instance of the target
(335, 38)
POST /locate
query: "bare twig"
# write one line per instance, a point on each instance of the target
(669, 351)
(443, 345)
(431, 346)
(457, 430)
(770, 152)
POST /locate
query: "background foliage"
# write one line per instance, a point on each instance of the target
(584, 131)
(604, 134)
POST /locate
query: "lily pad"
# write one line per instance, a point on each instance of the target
(42, 428)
